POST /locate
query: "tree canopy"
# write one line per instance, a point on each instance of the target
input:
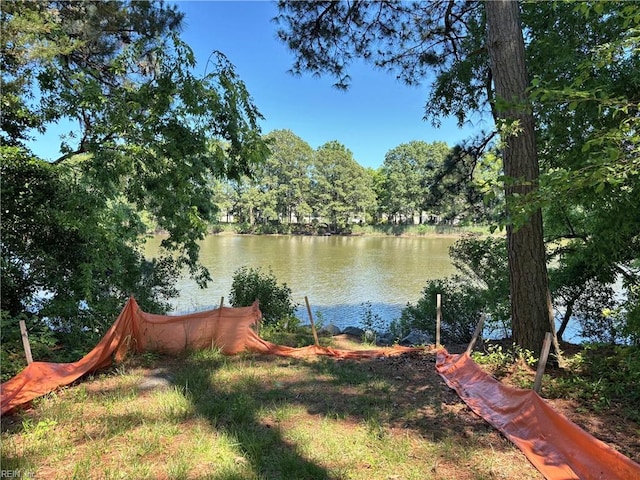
(145, 135)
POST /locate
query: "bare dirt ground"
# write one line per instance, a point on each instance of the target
(417, 371)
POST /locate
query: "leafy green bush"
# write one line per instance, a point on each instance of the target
(482, 289)
(72, 255)
(483, 263)
(632, 310)
(501, 358)
(244, 228)
(276, 302)
(601, 376)
(462, 306)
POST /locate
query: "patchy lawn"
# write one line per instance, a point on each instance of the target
(208, 416)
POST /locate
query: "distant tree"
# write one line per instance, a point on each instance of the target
(341, 188)
(403, 169)
(245, 193)
(290, 165)
(224, 197)
(376, 180)
(413, 180)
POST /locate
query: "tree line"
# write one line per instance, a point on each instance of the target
(299, 189)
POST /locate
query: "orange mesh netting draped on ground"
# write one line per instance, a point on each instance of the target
(228, 329)
(557, 447)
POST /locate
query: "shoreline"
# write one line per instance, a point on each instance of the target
(410, 231)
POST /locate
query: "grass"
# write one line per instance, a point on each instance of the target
(419, 230)
(259, 417)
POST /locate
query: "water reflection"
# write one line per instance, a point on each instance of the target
(337, 274)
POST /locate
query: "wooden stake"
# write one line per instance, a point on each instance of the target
(213, 345)
(313, 326)
(438, 317)
(25, 342)
(555, 343)
(476, 334)
(544, 355)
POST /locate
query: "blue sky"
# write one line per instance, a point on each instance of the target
(376, 114)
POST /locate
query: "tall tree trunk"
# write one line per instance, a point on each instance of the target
(531, 310)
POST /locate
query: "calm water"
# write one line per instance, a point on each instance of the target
(337, 274)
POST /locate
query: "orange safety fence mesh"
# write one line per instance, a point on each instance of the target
(557, 447)
(228, 329)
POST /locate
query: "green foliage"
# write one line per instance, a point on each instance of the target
(297, 189)
(632, 309)
(70, 256)
(483, 260)
(147, 137)
(12, 354)
(342, 190)
(276, 302)
(514, 361)
(462, 307)
(500, 358)
(287, 173)
(408, 174)
(586, 98)
(289, 332)
(41, 430)
(601, 376)
(372, 324)
(481, 289)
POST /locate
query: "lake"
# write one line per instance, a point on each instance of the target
(338, 274)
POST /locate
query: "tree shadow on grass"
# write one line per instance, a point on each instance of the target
(241, 397)
(232, 406)
(379, 395)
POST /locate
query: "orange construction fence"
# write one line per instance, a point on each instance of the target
(557, 447)
(229, 329)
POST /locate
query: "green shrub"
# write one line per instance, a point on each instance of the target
(462, 306)
(501, 358)
(371, 323)
(482, 262)
(632, 310)
(276, 302)
(481, 289)
(244, 228)
(602, 376)
(12, 355)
